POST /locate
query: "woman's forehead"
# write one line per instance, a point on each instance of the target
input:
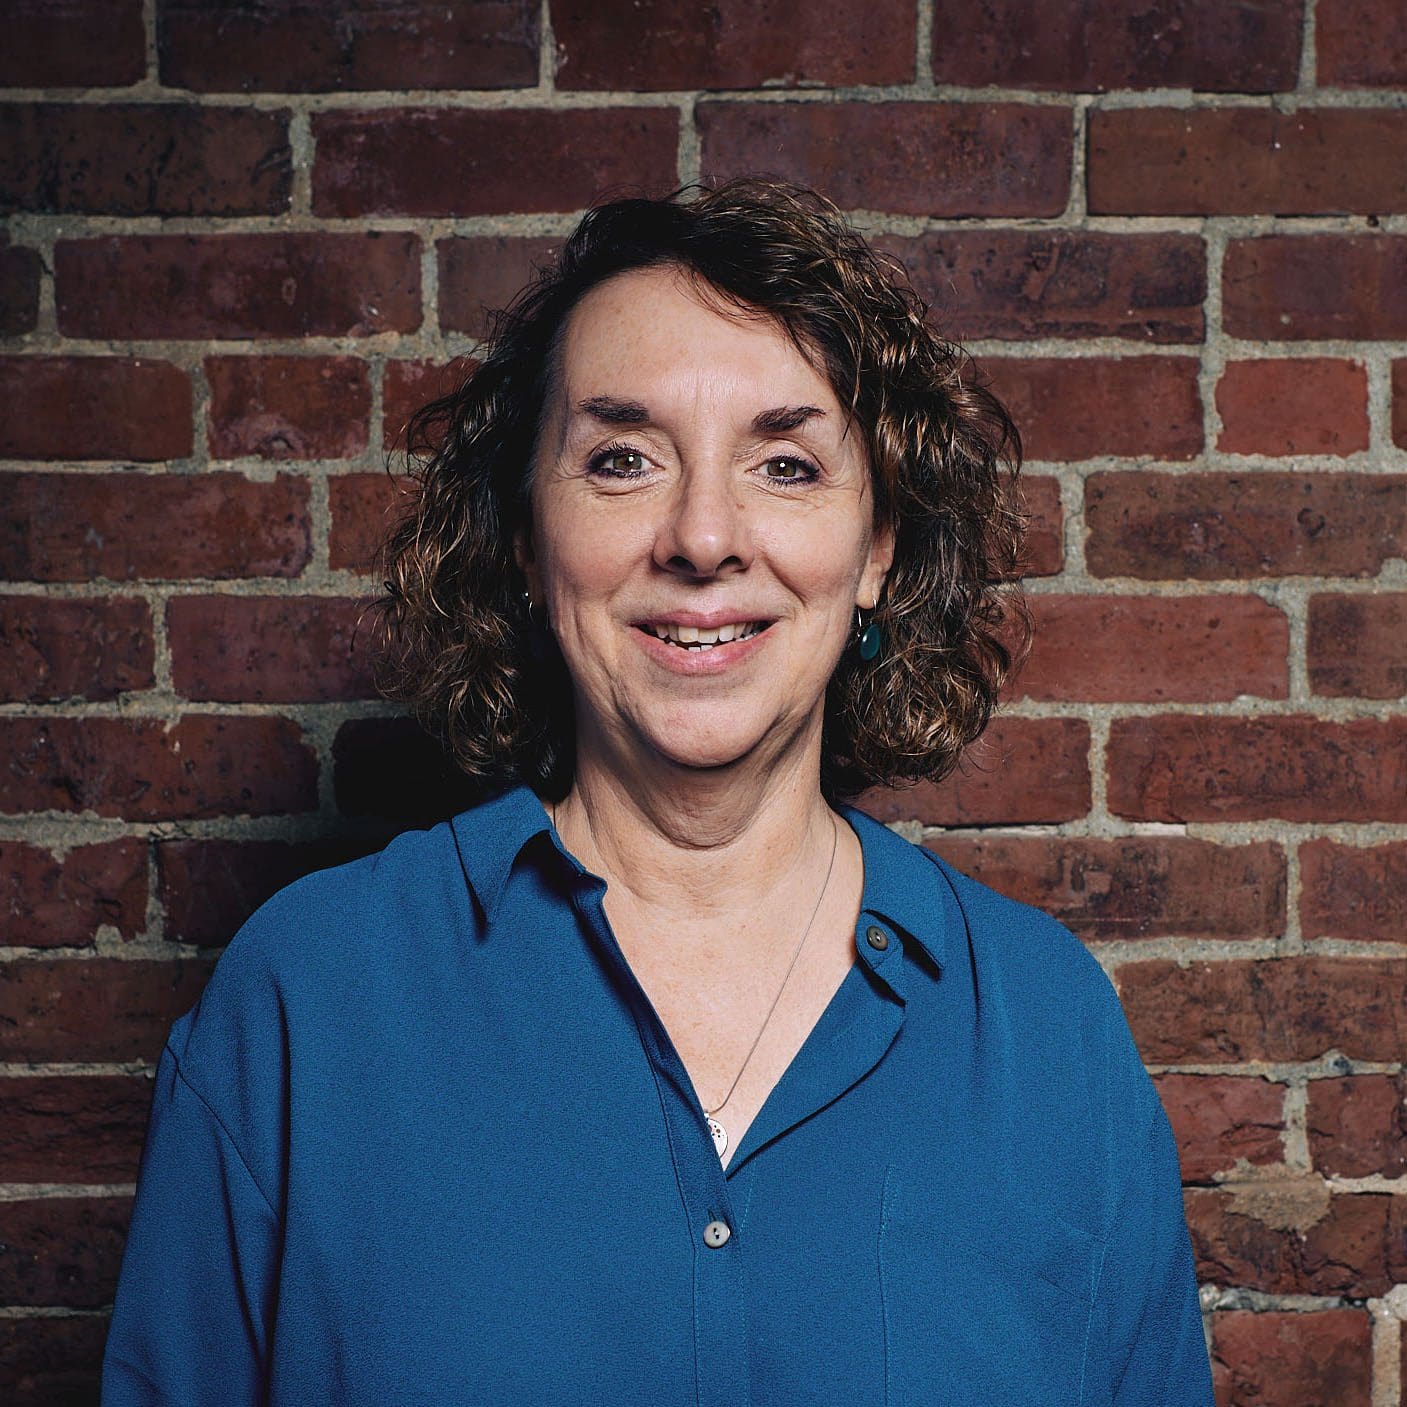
(657, 335)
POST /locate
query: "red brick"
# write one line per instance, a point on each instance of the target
(238, 285)
(1357, 645)
(1211, 527)
(1282, 1358)
(52, 1360)
(1080, 407)
(1221, 1121)
(328, 45)
(1246, 161)
(1291, 1237)
(1358, 1125)
(94, 408)
(1282, 288)
(932, 159)
(144, 159)
(1100, 649)
(53, 902)
(19, 288)
(1135, 887)
(288, 407)
(72, 1128)
(95, 1008)
(209, 887)
(76, 44)
(1354, 892)
(269, 649)
(486, 161)
(1399, 404)
(1084, 47)
(75, 527)
(1020, 284)
(365, 507)
(62, 1250)
(482, 274)
(1304, 405)
(658, 45)
(1022, 771)
(392, 769)
(1296, 768)
(83, 649)
(138, 769)
(1043, 551)
(409, 385)
(1361, 44)
(1286, 1008)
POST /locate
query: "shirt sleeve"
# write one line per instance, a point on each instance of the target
(1157, 1352)
(195, 1298)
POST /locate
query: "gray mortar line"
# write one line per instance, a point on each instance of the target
(1295, 1137)
(923, 83)
(58, 1191)
(1309, 59)
(36, 226)
(1387, 1356)
(689, 156)
(152, 78)
(1077, 204)
(1381, 450)
(1245, 708)
(542, 97)
(1223, 1297)
(1099, 815)
(46, 1311)
(302, 151)
(1332, 1065)
(1186, 949)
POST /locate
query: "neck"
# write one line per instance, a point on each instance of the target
(700, 842)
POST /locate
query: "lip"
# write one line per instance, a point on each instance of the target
(717, 660)
(704, 620)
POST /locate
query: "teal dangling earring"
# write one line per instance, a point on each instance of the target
(869, 638)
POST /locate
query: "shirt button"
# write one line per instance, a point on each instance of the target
(877, 938)
(716, 1234)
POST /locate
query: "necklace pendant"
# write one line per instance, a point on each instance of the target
(720, 1134)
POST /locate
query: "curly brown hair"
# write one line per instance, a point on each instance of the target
(458, 645)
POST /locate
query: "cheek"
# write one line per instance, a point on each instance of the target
(584, 569)
(823, 567)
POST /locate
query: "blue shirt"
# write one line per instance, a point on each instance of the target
(424, 1140)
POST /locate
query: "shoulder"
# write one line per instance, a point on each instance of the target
(1043, 981)
(320, 932)
(1004, 932)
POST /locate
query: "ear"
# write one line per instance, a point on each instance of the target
(526, 559)
(877, 565)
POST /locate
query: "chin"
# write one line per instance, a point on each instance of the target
(700, 738)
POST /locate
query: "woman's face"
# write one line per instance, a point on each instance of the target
(694, 475)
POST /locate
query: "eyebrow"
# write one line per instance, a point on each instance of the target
(611, 410)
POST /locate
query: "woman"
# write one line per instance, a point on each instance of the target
(663, 1075)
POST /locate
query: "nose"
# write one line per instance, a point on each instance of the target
(704, 531)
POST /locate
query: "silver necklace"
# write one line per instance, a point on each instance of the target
(720, 1134)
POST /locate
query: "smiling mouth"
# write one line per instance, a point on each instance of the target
(693, 637)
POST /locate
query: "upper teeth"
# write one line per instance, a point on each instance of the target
(698, 635)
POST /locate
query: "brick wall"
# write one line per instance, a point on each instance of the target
(246, 240)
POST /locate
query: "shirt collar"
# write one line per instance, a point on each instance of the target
(491, 836)
(903, 882)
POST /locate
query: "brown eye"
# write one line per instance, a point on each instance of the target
(793, 470)
(618, 463)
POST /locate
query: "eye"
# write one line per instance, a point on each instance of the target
(618, 462)
(794, 470)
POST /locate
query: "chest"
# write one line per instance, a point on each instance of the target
(739, 1022)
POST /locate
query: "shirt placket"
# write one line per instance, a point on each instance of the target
(721, 1357)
